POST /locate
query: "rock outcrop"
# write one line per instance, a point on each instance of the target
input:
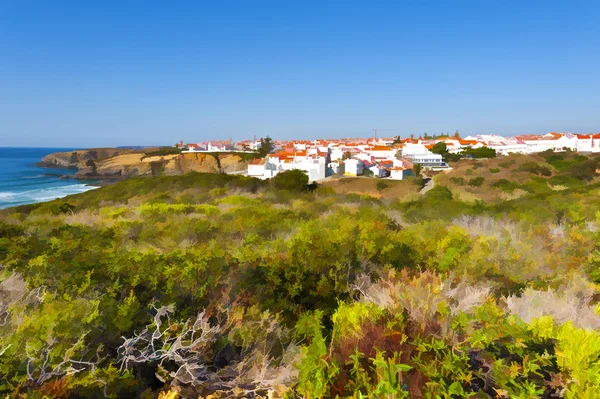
(116, 164)
(78, 158)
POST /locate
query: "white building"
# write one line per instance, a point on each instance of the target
(588, 142)
(353, 167)
(418, 153)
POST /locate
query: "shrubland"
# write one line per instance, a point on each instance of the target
(220, 286)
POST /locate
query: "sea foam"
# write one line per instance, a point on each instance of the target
(40, 195)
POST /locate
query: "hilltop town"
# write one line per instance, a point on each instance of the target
(391, 158)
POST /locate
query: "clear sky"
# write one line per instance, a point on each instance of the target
(108, 73)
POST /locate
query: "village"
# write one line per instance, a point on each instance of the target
(386, 158)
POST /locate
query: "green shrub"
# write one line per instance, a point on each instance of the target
(507, 164)
(381, 185)
(458, 181)
(162, 152)
(291, 180)
(483, 152)
(534, 168)
(476, 181)
(564, 180)
(506, 185)
(494, 170)
(585, 170)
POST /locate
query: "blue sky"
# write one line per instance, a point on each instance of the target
(107, 73)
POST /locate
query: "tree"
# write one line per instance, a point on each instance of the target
(347, 155)
(483, 152)
(266, 146)
(417, 169)
(439, 148)
(456, 134)
(292, 180)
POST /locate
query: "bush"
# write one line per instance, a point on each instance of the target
(381, 185)
(439, 193)
(476, 181)
(564, 180)
(458, 181)
(506, 185)
(534, 168)
(494, 170)
(61, 207)
(507, 164)
(162, 152)
(291, 180)
(483, 152)
(585, 170)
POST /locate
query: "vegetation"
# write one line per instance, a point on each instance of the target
(162, 152)
(223, 286)
(381, 185)
(483, 152)
(266, 146)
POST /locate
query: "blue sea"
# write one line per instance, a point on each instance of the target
(21, 182)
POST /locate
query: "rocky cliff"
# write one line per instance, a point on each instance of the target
(78, 158)
(115, 164)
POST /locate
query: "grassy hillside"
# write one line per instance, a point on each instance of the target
(373, 187)
(505, 178)
(220, 286)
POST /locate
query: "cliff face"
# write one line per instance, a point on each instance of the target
(78, 158)
(136, 164)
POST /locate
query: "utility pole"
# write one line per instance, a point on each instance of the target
(375, 131)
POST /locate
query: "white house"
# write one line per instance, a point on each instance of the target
(256, 168)
(588, 142)
(353, 167)
(314, 166)
(336, 167)
(418, 153)
(399, 173)
(379, 170)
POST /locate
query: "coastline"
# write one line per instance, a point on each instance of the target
(23, 181)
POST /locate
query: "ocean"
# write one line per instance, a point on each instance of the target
(21, 182)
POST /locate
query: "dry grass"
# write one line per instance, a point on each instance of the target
(85, 217)
(571, 302)
(507, 166)
(366, 185)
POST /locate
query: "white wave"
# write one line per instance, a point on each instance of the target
(41, 195)
(6, 195)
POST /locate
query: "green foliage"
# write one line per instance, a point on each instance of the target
(291, 180)
(417, 169)
(506, 185)
(439, 148)
(439, 193)
(507, 164)
(483, 152)
(266, 146)
(585, 170)
(535, 169)
(162, 152)
(381, 185)
(327, 295)
(476, 181)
